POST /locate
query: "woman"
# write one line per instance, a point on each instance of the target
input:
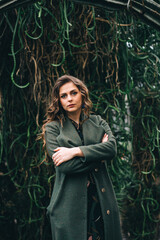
(83, 204)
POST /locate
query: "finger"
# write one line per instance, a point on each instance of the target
(57, 149)
(58, 163)
(104, 136)
(55, 158)
(55, 154)
(106, 139)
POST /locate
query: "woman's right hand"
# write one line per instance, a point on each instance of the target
(105, 138)
(63, 154)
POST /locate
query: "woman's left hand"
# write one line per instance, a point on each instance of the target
(62, 154)
(105, 138)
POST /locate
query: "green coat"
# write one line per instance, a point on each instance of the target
(68, 205)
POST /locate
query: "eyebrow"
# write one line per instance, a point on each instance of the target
(70, 91)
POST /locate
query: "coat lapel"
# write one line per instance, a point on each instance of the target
(69, 136)
(92, 133)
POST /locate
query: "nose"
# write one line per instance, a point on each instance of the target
(69, 97)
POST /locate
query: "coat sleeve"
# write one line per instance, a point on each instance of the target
(75, 165)
(101, 151)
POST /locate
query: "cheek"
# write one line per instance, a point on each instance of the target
(80, 99)
(62, 103)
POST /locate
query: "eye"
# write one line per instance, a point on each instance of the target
(74, 93)
(63, 96)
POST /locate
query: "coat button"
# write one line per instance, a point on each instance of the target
(108, 212)
(96, 169)
(103, 189)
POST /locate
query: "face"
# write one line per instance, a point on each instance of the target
(70, 99)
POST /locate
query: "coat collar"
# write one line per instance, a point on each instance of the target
(92, 133)
(70, 132)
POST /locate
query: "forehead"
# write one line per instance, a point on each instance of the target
(67, 87)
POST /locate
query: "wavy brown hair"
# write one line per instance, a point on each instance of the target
(55, 110)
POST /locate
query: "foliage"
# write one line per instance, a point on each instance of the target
(118, 58)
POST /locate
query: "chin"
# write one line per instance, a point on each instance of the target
(72, 110)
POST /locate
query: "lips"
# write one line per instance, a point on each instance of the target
(71, 105)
